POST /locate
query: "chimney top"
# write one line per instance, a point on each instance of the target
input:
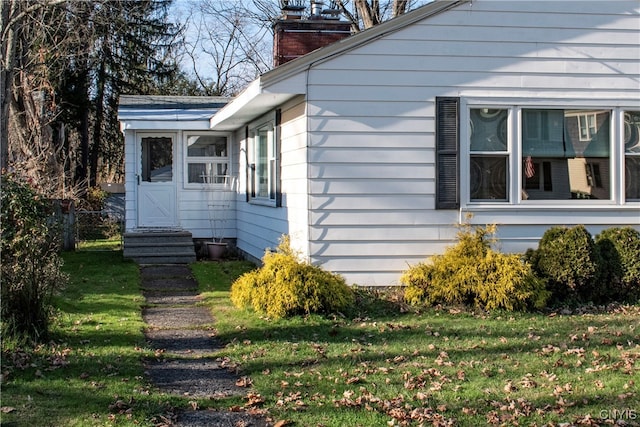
(320, 9)
(292, 9)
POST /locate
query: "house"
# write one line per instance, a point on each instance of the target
(368, 152)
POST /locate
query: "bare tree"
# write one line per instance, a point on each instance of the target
(227, 44)
(365, 14)
(27, 139)
(64, 65)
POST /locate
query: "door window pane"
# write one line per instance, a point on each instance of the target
(157, 159)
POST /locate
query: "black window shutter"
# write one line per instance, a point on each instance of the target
(278, 157)
(247, 171)
(447, 152)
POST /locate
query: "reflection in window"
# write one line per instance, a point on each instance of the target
(157, 159)
(565, 154)
(587, 124)
(488, 178)
(207, 159)
(488, 162)
(632, 155)
(263, 163)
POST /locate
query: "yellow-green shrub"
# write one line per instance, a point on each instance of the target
(286, 286)
(471, 273)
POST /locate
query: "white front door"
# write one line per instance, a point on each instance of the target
(156, 181)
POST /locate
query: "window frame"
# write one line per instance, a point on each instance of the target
(206, 159)
(515, 107)
(272, 173)
(505, 154)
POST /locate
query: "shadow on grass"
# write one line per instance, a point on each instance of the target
(91, 372)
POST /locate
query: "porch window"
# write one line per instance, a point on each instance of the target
(207, 160)
(632, 155)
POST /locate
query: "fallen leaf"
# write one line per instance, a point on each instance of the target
(509, 387)
(244, 382)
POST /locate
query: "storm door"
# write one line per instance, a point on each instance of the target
(156, 181)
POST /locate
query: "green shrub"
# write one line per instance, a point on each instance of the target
(567, 258)
(30, 263)
(619, 249)
(471, 273)
(285, 286)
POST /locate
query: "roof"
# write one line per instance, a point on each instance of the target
(263, 94)
(169, 108)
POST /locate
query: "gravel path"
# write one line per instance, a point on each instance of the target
(182, 335)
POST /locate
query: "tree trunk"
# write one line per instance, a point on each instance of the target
(366, 13)
(97, 129)
(399, 7)
(7, 11)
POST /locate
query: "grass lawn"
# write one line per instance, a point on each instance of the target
(91, 372)
(377, 366)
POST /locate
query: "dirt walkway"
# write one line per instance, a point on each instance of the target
(182, 335)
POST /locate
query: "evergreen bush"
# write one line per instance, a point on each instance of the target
(473, 274)
(30, 262)
(567, 258)
(619, 249)
(285, 286)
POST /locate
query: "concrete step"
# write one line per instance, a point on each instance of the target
(158, 237)
(159, 247)
(164, 259)
(132, 249)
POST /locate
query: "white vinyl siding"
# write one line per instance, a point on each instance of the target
(199, 204)
(371, 111)
(262, 226)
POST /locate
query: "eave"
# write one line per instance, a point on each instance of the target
(282, 83)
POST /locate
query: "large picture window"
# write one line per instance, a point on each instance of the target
(565, 154)
(207, 160)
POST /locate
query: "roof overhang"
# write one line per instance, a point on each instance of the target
(252, 102)
(167, 112)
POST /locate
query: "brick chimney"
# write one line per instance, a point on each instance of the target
(295, 36)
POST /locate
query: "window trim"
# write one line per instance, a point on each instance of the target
(186, 160)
